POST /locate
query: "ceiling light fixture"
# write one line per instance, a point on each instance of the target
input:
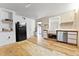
(28, 5)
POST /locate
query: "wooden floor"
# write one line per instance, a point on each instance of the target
(39, 47)
(53, 45)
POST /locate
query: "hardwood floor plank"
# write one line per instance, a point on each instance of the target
(51, 44)
(41, 47)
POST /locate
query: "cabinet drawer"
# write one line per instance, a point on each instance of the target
(72, 36)
(71, 41)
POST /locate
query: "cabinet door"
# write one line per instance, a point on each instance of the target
(7, 14)
(6, 38)
(60, 36)
(67, 16)
(11, 38)
(3, 38)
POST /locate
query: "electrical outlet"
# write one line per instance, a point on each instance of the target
(9, 37)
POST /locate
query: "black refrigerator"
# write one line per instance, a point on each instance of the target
(20, 32)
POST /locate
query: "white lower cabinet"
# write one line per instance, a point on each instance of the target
(73, 41)
(10, 38)
(60, 36)
(68, 37)
(72, 37)
(3, 39)
(6, 38)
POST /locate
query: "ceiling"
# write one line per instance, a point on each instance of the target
(37, 10)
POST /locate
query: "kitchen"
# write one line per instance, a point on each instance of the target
(56, 31)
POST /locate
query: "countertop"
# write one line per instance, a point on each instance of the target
(67, 30)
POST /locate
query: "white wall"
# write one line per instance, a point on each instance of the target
(30, 27)
(30, 24)
(45, 22)
(4, 36)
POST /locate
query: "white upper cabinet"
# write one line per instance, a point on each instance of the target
(68, 16)
(6, 19)
(6, 13)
